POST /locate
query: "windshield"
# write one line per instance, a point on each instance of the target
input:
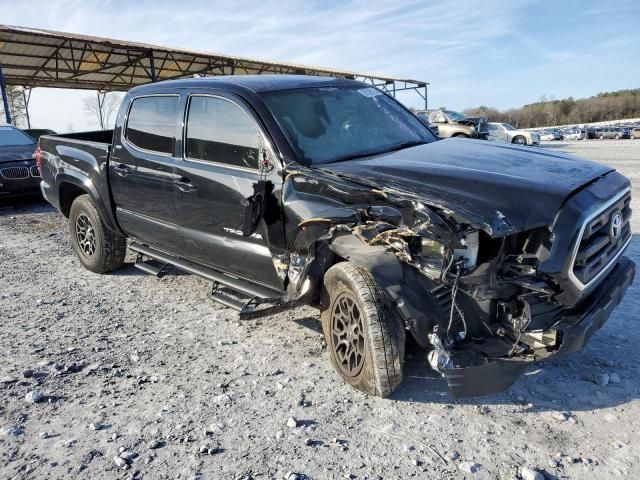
(454, 116)
(508, 127)
(12, 137)
(329, 124)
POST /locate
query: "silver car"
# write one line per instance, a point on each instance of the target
(503, 132)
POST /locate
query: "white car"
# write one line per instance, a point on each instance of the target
(503, 132)
(575, 134)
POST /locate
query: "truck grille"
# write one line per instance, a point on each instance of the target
(604, 236)
(15, 173)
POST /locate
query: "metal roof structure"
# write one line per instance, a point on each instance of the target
(32, 57)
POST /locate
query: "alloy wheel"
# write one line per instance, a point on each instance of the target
(347, 335)
(86, 235)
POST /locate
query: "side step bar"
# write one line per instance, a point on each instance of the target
(249, 289)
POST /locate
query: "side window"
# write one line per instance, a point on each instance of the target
(152, 123)
(220, 131)
(493, 127)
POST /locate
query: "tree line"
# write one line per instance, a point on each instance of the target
(548, 111)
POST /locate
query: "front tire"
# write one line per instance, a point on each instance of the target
(98, 248)
(519, 140)
(365, 339)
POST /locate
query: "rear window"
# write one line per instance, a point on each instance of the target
(12, 137)
(153, 122)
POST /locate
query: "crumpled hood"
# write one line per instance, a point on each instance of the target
(18, 152)
(502, 188)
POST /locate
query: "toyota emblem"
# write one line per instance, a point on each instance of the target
(615, 230)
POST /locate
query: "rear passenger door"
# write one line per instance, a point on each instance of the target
(141, 169)
(217, 179)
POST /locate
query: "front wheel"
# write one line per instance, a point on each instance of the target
(520, 140)
(98, 248)
(365, 339)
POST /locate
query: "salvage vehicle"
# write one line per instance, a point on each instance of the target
(19, 174)
(503, 132)
(454, 124)
(289, 190)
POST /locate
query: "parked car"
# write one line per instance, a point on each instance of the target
(575, 134)
(18, 171)
(503, 132)
(635, 132)
(611, 132)
(289, 190)
(36, 133)
(454, 124)
(550, 135)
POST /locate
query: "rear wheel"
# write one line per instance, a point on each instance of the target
(98, 248)
(519, 140)
(617, 137)
(365, 339)
(601, 137)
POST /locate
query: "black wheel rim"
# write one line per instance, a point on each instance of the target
(86, 235)
(347, 335)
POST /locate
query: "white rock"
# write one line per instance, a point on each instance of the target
(10, 431)
(121, 462)
(279, 435)
(34, 397)
(96, 426)
(469, 467)
(128, 455)
(292, 422)
(530, 474)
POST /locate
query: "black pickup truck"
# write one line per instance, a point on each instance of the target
(289, 190)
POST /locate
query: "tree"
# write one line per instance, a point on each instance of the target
(17, 107)
(102, 108)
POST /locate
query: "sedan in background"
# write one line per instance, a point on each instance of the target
(635, 132)
(503, 132)
(549, 135)
(19, 173)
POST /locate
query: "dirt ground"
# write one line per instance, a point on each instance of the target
(146, 377)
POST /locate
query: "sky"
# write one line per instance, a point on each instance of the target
(496, 53)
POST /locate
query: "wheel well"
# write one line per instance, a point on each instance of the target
(460, 135)
(517, 137)
(68, 193)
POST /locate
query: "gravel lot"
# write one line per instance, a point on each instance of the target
(144, 377)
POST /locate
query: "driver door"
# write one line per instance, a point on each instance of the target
(220, 187)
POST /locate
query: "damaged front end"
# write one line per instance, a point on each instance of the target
(485, 297)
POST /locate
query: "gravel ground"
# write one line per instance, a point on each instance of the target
(129, 376)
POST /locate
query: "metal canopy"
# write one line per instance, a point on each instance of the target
(43, 58)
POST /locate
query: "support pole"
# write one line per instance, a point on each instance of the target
(26, 104)
(100, 104)
(426, 102)
(5, 100)
(153, 68)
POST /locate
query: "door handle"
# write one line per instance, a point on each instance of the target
(122, 169)
(185, 185)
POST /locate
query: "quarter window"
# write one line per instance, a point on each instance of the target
(153, 122)
(220, 131)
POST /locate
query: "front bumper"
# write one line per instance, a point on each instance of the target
(14, 183)
(575, 328)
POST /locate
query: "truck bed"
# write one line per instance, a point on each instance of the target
(96, 136)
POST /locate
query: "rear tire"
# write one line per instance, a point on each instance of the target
(98, 248)
(365, 339)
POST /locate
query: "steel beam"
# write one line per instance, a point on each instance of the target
(5, 99)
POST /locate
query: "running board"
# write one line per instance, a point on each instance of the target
(249, 307)
(243, 287)
(147, 267)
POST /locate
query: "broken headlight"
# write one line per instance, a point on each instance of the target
(469, 254)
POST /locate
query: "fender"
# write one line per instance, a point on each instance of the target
(407, 289)
(84, 183)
